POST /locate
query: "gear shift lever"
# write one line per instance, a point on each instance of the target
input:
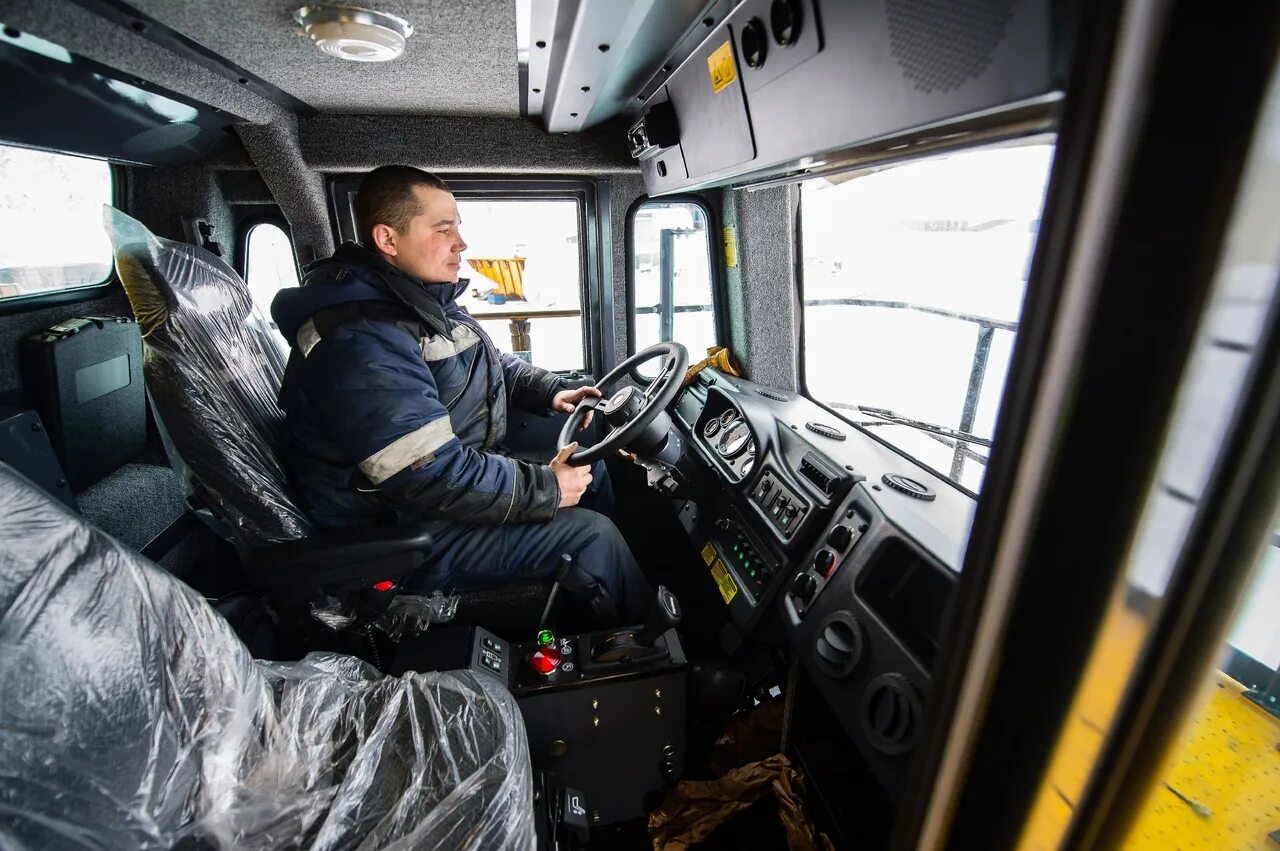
(632, 646)
(664, 615)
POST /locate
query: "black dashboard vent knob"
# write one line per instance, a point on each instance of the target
(825, 430)
(840, 537)
(840, 646)
(910, 487)
(890, 712)
(803, 587)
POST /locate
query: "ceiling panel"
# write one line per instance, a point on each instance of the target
(461, 59)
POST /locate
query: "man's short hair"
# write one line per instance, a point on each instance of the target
(386, 197)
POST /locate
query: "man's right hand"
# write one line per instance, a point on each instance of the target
(573, 481)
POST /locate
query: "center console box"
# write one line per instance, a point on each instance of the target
(613, 729)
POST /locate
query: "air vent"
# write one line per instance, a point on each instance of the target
(825, 430)
(890, 712)
(840, 645)
(815, 472)
(910, 487)
(769, 394)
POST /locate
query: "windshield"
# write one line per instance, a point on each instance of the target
(913, 284)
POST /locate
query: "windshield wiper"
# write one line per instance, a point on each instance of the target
(933, 428)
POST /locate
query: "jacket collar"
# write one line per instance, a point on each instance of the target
(431, 301)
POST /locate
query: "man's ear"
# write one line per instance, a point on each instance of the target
(384, 239)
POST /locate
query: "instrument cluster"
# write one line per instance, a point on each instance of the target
(731, 438)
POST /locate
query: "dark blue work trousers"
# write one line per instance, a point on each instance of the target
(465, 556)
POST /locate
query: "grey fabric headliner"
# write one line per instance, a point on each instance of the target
(461, 59)
(335, 143)
(298, 189)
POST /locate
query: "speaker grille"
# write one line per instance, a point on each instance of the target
(942, 44)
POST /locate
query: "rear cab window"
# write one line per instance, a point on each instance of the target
(51, 217)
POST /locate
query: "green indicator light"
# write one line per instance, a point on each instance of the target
(546, 637)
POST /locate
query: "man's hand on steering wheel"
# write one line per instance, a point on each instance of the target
(567, 400)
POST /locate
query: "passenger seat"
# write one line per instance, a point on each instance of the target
(134, 718)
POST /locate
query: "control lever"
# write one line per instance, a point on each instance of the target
(663, 615)
(632, 646)
(562, 571)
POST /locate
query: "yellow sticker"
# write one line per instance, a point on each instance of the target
(722, 68)
(730, 246)
(708, 553)
(728, 588)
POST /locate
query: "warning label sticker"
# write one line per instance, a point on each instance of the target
(708, 554)
(721, 66)
(728, 588)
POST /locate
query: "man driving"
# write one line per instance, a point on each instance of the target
(396, 406)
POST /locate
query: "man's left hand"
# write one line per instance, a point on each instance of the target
(566, 401)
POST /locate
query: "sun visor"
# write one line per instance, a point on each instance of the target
(70, 93)
(784, 88)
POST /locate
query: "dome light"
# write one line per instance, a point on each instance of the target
(354, 34)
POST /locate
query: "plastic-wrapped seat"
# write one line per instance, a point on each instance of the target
(213, 373)
(134, 718)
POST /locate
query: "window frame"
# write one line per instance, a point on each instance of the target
(715, 262)
(595, 272)
(90, 292)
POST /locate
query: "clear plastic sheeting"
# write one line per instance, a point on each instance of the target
(213, 368)
(408, 614)
(134, 718)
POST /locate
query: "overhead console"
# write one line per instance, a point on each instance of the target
(793, 86)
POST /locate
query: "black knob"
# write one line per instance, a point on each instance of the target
(839, 538)
(784, 21)
(755, 44)
(823, 560)
(804, 587)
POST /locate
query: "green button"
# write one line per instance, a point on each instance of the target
(546, 637)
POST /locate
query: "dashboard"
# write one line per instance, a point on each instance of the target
(854, 549)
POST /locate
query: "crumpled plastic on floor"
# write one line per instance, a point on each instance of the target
(719, 357)
(695, 808)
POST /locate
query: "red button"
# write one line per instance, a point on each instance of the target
(544, 660)
(384, 585)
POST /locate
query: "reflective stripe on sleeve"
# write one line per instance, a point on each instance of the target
(407, 450)
(439, 347)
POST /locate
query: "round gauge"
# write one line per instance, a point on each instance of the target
(747, 465)
(728, 416)
(735, 439)
(711, 429)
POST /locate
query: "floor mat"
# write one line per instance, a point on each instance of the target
(133, 504)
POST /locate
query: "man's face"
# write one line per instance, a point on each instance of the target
(431, 247)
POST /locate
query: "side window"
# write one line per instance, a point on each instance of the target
(671, 285)
(51, 218)
(525, 266)
(269, 265)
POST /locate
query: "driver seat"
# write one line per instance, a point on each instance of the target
(213, 369)
(134, 718)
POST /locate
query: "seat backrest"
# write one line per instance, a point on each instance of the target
(213, 373)
(132, 717)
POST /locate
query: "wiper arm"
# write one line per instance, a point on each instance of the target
(933, 428)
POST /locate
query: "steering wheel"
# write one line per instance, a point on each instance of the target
(629, 410)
